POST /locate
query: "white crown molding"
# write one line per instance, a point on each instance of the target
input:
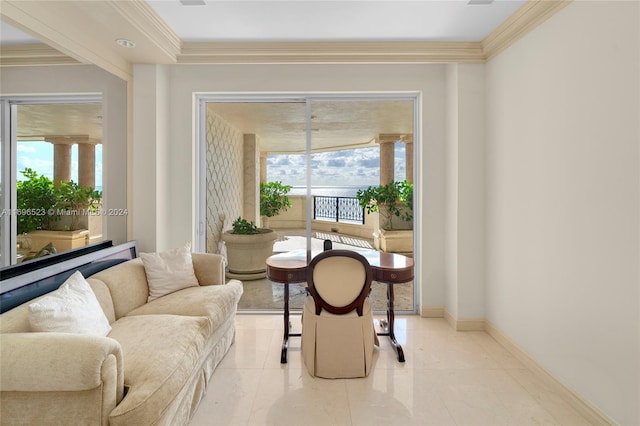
(329, 52)
(528, 17)
(50, 20)
(33, 54)
(159, 35)
(139, 14)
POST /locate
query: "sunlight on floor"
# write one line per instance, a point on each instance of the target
(266, 295)
(449, 378)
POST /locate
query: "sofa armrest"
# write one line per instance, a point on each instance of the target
(44, 374)
(209, 268)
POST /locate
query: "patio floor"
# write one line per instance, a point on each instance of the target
(266, 295)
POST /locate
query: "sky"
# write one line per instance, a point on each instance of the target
(353, 167)
(39, 157)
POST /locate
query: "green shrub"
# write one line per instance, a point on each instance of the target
(40, 202)
(392, 199)
(243, 226)
(273, 198)
(35, 198)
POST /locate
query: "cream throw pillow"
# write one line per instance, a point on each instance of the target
(169, 271)
(73, 308)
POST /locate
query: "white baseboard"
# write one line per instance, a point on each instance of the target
(458, 325)
(432, 312)
(464, 325)
(470, 325)
(586, 409)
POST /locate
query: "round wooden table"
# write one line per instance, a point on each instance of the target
(390, 268)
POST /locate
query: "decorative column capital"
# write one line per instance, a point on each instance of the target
(394, 137)
(67, 139)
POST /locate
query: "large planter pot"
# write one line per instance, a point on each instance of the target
(394, 241)
(62, 240)
(397, 222)
(247, 253)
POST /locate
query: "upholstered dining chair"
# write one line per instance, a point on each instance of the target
(337, 328)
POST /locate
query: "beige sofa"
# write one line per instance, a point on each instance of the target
(151, 369)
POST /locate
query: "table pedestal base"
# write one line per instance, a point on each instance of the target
(287, 327)
(389, 324)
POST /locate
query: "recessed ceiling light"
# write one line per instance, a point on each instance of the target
(126, 43)
(480, 2)
(193, 2)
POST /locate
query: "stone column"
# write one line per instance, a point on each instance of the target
(251, 183)
(408, 155)
(263, 167)
(61, 163)
(87, 164)
(387, 159)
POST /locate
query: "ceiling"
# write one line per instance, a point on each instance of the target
(280, 126)
(75, 122)
(308, 20)
(331, 20)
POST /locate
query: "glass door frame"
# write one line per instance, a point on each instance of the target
(8, 127)
(8, 226)
(200, 122)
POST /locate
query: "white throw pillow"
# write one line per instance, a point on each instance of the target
(169, 271)
(73, 308)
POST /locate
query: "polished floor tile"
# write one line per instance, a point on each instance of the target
(449, 378)
(264, 295)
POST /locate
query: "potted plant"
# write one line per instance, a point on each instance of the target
(394, 204)
(53, 214)
(273, 200)
(248, 248)
(76, 202)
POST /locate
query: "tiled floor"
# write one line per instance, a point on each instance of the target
(264, 295)
(449, 378)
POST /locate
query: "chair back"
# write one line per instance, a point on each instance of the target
(339, 281)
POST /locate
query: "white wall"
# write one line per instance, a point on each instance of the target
(563, 200)
(151, 204)
(465, 192)
(87, 79)
(451, 194)
(185, 81)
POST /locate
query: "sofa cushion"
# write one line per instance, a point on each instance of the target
(209, 268)
(17, 319)
(217, 303)
(169, 271)
(73, 308)
(104, 298)
(161, 352)
(127, 284)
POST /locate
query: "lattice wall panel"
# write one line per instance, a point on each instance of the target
(224, 179)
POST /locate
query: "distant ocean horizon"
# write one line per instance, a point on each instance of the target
(328, 191)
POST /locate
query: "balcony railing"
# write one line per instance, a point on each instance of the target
(338, 209)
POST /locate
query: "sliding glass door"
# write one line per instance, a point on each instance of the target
(7, 148)
(50, 175)
(323, 149)
(362, 149)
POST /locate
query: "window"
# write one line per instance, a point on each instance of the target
(313, 143)
(51, 175)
